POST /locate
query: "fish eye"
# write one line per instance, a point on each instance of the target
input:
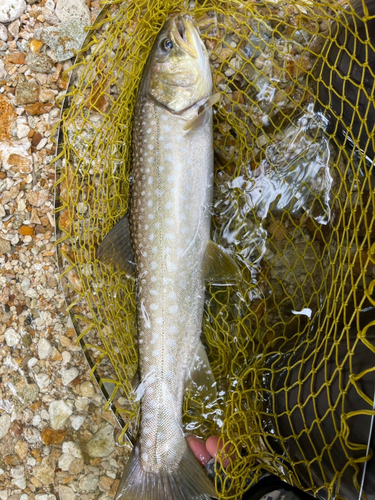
(167, 44)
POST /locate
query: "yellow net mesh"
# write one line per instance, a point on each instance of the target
(292, 346)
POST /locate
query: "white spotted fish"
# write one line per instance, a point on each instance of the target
(168, 241)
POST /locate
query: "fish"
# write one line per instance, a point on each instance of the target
(164, 242)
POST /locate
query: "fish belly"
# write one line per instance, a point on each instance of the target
(170, 225)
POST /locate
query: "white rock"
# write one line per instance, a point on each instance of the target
(67, 10)
(3, 73)
(14, 29)
(32, 435)
(72, 448)
(66, 493)
(59, 412)
(87, 389)
(69, 375)
(102, 443)
(19, 483)
(5, 422)
(43, 380)
(65, 460)
(3, 33)
(22, 131)
(11, 337)
(77, 422)
(45, 348)
(66, 356)
(89, 483)
(11, 10)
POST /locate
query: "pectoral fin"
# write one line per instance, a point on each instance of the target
(200, 118)
(116, 248)
(200, 377)
(218, 265)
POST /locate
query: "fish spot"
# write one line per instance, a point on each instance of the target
(172, 343)
(173, 329)
(154, 249)
(164, 118)
(151, 216)
(169, 145)
(147, 429)
(150, 180)
(171, 178)
(168, 205)
(154, 307)
(153, 403)
(169, 158)
(169, 221)
(154, 265)
(150, 160)
(160, 168)
(171, 266)
(173, 309)
(167, 128)
(149, 443)
(150, 203)
(171, 358)
(148, 416)
(150, 147)
(159, 192)
(153, 279)
(170, 236)
(180, 252)
(166, 281)
(160, 435)
(146, 226)
(167, 250)
(169, 375)
(151, 237)
(157, 225)
(153, 122)
(172, 295)
(143, 193)
(155, 353)
(159, 320)
(153, 292)
(184, 230)
(145, 457)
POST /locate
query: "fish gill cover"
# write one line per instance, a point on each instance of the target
(292, 345)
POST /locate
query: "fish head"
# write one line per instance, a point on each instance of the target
(178, 72)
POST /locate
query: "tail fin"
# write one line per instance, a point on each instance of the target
(187, 482)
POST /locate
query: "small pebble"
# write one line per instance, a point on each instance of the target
(11, 337)
(5, 422)
(11, 10)
(69, 375)
(59, 412)
(102, 443)
(44, 348)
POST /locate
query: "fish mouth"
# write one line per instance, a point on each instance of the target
(183, 31)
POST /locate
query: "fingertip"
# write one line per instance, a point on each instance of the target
(211, 445)
(199, 450)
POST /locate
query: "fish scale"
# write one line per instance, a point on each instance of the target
(170, 224)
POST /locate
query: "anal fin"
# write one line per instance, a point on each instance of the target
(200, 377)
(116, 248)
(218, 265)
